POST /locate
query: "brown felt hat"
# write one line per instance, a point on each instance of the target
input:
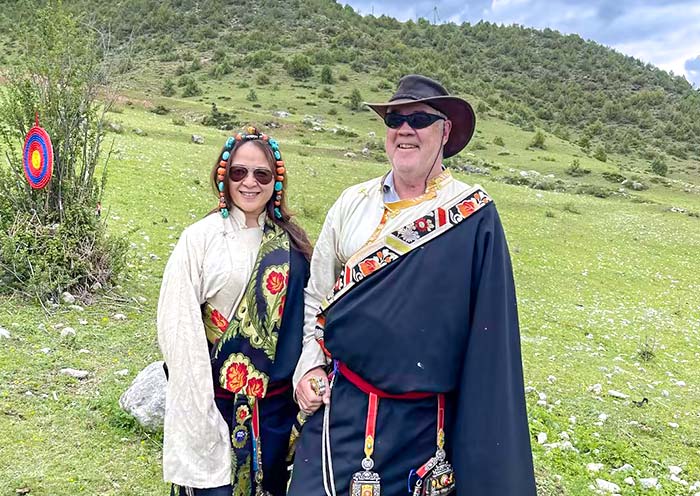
(420, 89)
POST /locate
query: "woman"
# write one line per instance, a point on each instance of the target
(230, 319)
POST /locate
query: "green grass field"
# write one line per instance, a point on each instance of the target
(608, 295)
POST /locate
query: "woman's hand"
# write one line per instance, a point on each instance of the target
(313, 390)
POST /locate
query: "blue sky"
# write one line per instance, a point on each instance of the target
(665, 33)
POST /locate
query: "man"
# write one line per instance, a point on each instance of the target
(421, 328)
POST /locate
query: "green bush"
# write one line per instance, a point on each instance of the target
(327, 75)
(299, 67)
(355, 100)
(168, 88)
(252, 96)
(499, 141)
(576, 170)
(599, 154)
(659, 167)
(538, 141)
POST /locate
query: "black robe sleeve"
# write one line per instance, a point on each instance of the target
(491, 445)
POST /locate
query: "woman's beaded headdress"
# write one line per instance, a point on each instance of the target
(250, 134)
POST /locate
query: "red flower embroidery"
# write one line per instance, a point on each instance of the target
(421, 225)
(219, 320)
(276, 282)
(368, 266)
(236, 377)
(243, 413)
(256, 387)
(465, 208)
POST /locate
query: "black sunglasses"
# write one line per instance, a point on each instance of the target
(417, 120)
(237, 173)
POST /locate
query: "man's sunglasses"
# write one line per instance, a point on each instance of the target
(417, 120)
(237, 173)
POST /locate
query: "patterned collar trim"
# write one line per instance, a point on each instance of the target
(434, 185)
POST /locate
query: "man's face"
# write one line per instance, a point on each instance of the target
(412, 152)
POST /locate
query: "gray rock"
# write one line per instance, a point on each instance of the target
(67, 331)
(281, 113)
(77, 308)
(68, 298)
(607, 486)
(199, 140)
(145, 398)
(78, 374)
(139, 132)
(4, 333)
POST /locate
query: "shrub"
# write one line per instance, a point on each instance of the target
(576, 170)
(52, 240)
(252, 96)
(499, 141)
(168, 88)
(262, 79)
(538, 140)
(600, 154)
(191, 89)
(327, 75)
(355, 100)
(299, 67)
(659, 167)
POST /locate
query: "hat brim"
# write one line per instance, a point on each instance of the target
(456, 109)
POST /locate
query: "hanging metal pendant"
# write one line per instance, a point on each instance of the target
(366, 482)
(441, 480)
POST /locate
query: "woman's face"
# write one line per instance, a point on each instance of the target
(248, 193)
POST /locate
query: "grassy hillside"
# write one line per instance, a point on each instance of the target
(606, 273)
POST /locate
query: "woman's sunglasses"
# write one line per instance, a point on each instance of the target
(237, 173)
(417, 120)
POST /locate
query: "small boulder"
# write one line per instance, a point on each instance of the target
(4, 333)
(68, 298)
(78, 374)
(145, 398)
(197, 139)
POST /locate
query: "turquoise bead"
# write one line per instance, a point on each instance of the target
(273, 143)
(221, 186)
(225, 156)
(278, 214)
(278, 156)
(229, 143)
(224, 212)
(278, 186)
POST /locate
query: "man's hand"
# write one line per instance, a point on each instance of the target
(313, 390)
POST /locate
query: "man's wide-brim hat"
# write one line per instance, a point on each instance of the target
(420, 89)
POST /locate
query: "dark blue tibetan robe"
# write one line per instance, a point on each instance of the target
(440, 319)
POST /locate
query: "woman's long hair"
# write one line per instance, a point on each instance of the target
(297, 235)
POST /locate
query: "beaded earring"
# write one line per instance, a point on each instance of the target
(251, 134)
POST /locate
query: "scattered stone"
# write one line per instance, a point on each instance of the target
(594, 467)
(139, 132)
(596, 389)
(572, 419)
(680, 383)
(96, 287)
(154, 257)
(674, 469)
(649, 483)
(67, 331)
(629, 481)
(542, 437)
(77, 308)
(371, 134)
(673, 425)
(607, 486)
(350, 155)
(197, 139)
(83, 322)
(625, 468)
(28, 393)
(83, 351)
(678, 480)
(618, 394)
(281, 113)
(145, 398)
(23, 490)
(122, 372)
(115, 127)
(4, 333)
(119, 316)
(603, 417)
(530, 389)
(551, 379)
(78, 374)
(665, 393)
(365, 151)
(58, 326)
(68, 298)
(45, 351)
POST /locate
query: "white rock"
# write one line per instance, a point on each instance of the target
(678, 480)
(119, 316)
(122, 372)
(67, 331)
(680, 383)
(145, 398)
(625, 468)
(572, 419)
(649, 482)
(673, 425)
(78, 374)
(607, 486)
(674, 469)
(603, 417)
(77, 308)
(350, 155)
(596, 389)
(45, 351)
(629, 481)
(529, 389)
(665, 393)
(83, 322)
(564, 435)
(542, 437)
(4, 333)
(594, 467)
(618, 394)
(83, 351)
(543, 396)
(551, 379)
(68, 298)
